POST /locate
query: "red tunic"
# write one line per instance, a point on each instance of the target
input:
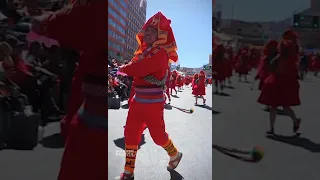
(316, 64)
(84, 28)
(282, 87)
(243, 65)
(199, 87)
(263, 72)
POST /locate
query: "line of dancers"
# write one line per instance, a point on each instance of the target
(277, 65)
(178, 81)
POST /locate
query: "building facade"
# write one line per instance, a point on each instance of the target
(309, 37)
(249, 33)
(315, 4)
(117, 25)
(136, 17)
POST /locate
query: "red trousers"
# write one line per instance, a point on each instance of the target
(168, 94)
(85, 156)
(173, 88)
(152, 118)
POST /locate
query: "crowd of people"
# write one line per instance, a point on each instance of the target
(120, 84)
(34, 71)
(278, 66)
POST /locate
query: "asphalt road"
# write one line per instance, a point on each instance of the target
(190, 132)
(240, 122)
(41, 163)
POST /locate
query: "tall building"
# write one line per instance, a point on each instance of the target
(117, 20)
(315, 4)
(136, 17)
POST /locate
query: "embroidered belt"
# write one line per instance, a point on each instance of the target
(148, 101)
(93, 120)
(95, 90)
(148, 91)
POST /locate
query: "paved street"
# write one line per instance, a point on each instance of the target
(42, 163)
(242, 123)
(190, 132)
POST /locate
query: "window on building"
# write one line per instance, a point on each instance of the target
(116, 26)
(115, 45)
(116, 16)
(114, 3)
(116, 36)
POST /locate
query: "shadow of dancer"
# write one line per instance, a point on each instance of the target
(204, 107)
(174, 175)
(242, 155)
(120, 142)
(297, 141)
(55, 141)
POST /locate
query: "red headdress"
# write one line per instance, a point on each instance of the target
(289, 34)
(165, 36)
(201, 72)
(270, 47)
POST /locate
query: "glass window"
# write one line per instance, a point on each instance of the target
(115, 45)
(116, 26)
(123, 3)
(116, 36)
(123, 12)
(115, 15)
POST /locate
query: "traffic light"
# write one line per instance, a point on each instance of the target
(296, 20)
(315, 22)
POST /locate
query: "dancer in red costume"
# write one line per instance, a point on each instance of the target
(270, 51)
(173, 80)
(218, 67)
(187, 81)
(179, 82)
(254, 58)
(149, 68)
(316, 64)
(229, 65)
(281, 87)
(210, 81)
(85, 126)
(243, 66)
(199, 88)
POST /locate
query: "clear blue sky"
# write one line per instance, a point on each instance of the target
(191, 21)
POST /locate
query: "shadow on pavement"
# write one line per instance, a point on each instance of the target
(242, 155)
(279, 111)
(120, 142)
(235, 153)
(167, 107)
(174, 175)
(55, 141)
(222, 94)
(297, 141)
(215, 112)
(125, 106)
(229, 87)
(175, 96)
(204, 107)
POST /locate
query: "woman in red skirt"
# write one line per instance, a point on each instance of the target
(281, 87)
(316, 64)
(270, 51)
(199, 88)
(218, 67)
(243, 66)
